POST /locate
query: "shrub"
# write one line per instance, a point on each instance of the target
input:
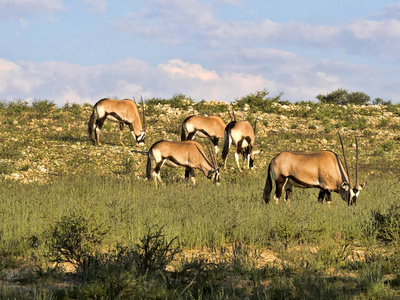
(205, 108)
(73, 240)
(259, 101)
(42, 106)
(76, 109)
(154, 252)
(177, 101)
(387, 225)
(17, 106)
(381, 101)
(343, 97)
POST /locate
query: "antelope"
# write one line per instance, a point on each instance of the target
(322, 169)
(211, 127)
(242, 136)
(121, 111)
(188, 154)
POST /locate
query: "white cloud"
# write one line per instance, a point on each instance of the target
(194, 23)
(169, 21)
(391, 11)
(16, 9)
(96, 6)
(182, 69)
(298, 78)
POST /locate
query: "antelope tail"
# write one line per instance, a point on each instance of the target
(183, 133)
(148, 166)
(268, 186)
(225, 150)
(91, 122)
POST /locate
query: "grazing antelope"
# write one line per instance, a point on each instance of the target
(322, 169)
(121, 111)
(211, 127)
(241, 135)
(188, 154)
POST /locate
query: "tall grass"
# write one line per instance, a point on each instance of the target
(201, 216)
(205, 217)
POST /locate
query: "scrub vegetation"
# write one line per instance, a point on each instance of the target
(80, 221)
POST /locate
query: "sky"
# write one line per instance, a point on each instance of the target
(70, 51)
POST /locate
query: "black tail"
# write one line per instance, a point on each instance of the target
(227, 132)
(183, 133)
(91, 122)
(226, 146)
(148, 166)
(268, 186)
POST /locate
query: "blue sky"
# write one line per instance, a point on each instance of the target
(82, 51)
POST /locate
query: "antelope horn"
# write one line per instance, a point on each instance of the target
(230, 116)
(212, 155)
(345, 160)
(144, 119)
(205, 157)
(356, 163)
(134, 100)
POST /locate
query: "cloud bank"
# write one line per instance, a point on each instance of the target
(204, 56)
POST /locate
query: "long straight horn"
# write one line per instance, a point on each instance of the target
(134, 100)
(356, 163)
(345, 160)
(144, 120)
(230, 116)
(255, 125)
(212, 155)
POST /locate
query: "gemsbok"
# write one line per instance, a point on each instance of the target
(121, 111)
(188, 154)
(211, 127)
(322, 169)
(242, 136)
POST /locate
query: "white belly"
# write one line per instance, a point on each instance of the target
(170, 163)
(296, 184)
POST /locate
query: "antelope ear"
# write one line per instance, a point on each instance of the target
(362, 186)
(345, 186)
(256, 152)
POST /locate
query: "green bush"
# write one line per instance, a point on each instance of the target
(387, 225)
(343, 97)
(177, 101)
(42, 106)
(74, 108)
(259, 101)
(17, 106)
(74, 239)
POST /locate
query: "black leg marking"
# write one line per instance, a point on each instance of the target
(158, 168)
(288, 195)
(321, 196)
(187, 171)
(280, 183)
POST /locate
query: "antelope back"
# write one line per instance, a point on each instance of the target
(211, 125)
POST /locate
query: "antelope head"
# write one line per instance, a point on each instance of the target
(142, 130)
(213, 174)
(348, 191)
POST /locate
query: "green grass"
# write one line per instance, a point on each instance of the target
(121, 211)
